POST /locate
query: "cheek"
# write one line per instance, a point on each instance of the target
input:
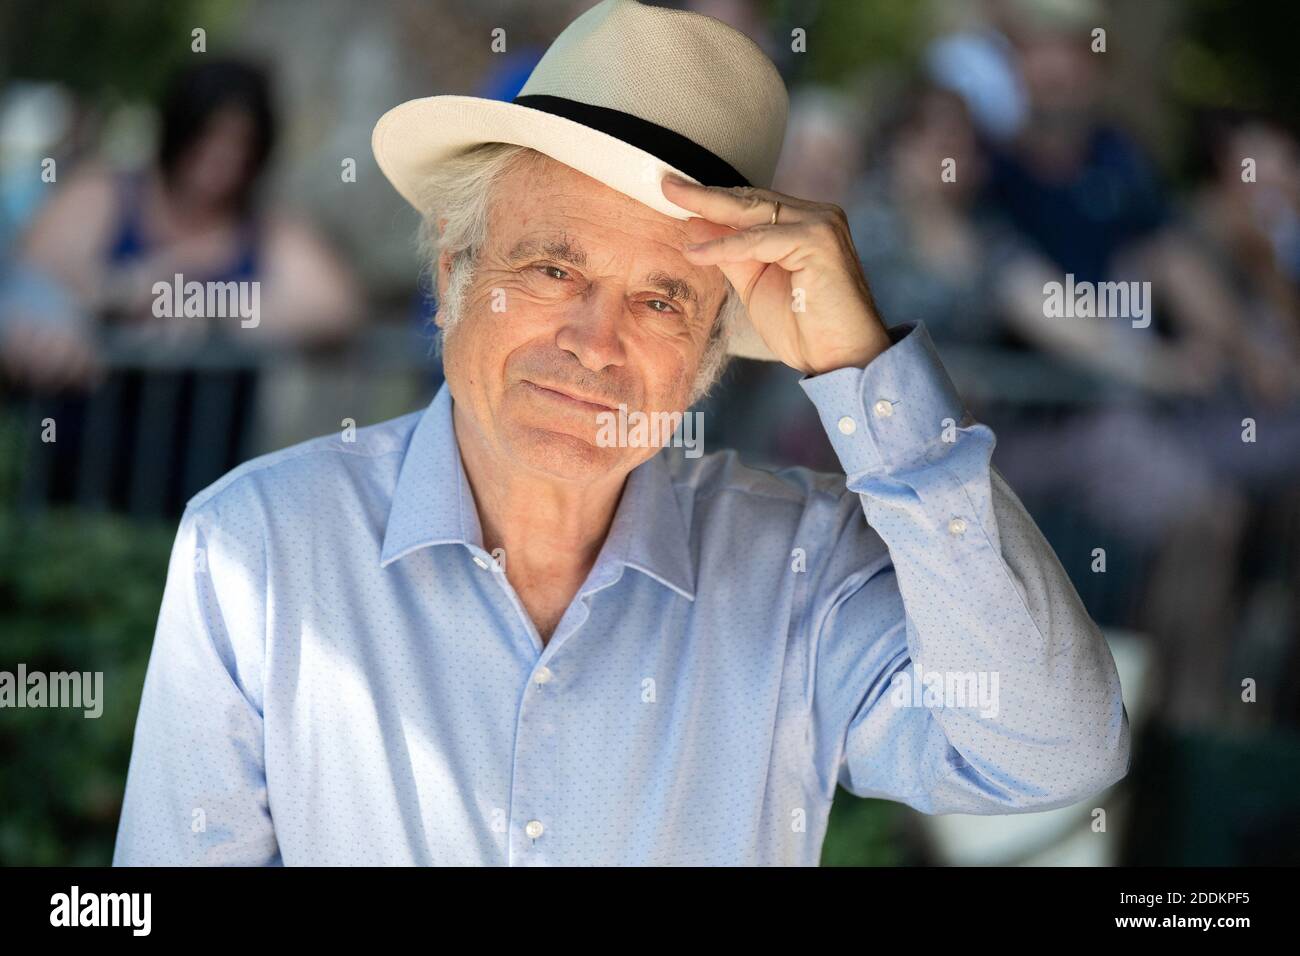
(499, 318)
(669, 374)
(518, 306)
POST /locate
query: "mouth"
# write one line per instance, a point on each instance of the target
(572, 401)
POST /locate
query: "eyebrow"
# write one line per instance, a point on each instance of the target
(563, 249)
(566, 250)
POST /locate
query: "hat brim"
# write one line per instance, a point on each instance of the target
(413, 137)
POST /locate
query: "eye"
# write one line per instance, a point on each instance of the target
(551, 270)
(655, 303)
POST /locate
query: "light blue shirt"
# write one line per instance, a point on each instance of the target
(342, 675)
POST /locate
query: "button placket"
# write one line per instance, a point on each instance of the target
(536, 758)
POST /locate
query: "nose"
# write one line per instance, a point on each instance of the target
(591, 330)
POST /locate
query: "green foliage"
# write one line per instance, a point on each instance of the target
(848, 35)
(78, 592)
(864, 833)
(126, 47)
(1241, 56)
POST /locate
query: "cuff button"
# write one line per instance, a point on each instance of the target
(847, 425)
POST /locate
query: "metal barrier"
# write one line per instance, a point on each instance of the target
(170, 419)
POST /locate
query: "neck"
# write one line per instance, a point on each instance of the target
(184, 212)
(550, 530)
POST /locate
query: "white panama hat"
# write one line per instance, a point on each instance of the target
(626, 94)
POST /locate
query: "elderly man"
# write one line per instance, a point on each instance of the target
(486, 634)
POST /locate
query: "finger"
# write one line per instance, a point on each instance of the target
(739, 206)
(785, 245)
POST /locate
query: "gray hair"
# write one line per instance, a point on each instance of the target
(459, 191)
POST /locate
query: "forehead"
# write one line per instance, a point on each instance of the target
(550, 209)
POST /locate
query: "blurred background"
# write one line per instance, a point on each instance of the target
(1152, 142)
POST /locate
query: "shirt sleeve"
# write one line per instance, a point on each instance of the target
(959, 673)
(196, 789)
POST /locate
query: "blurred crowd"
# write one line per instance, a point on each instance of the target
(987, 168)
(1179, 444)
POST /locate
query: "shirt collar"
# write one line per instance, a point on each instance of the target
(434, 504)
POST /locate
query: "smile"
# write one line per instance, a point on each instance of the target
(564, 397)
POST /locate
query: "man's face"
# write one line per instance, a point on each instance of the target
(580, 301)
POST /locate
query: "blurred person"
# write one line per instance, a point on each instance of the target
(937, 249)
(822, 154)
(977, 63)
(1176, 392)
(490, 633)
(1249, 227)
(96, 249)
(36, 121)
(931, 248)
(1092, 205)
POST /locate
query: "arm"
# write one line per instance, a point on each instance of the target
(1101, 347)
(971, 593)
(47, 296)
(196, 789)
(311, 295)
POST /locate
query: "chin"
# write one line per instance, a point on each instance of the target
(563, 454)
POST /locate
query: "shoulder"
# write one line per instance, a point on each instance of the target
(294, 236)
(738, 514)
(93, 183)
(77, 212)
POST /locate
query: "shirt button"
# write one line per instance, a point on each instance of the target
(847, 425)
(480, 562)
(957, 526)
(883, 408)
(543, 675)
(533, 828)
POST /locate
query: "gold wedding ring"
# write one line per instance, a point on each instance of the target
(776, 211)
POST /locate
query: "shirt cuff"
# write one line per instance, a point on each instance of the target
(893, 412)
